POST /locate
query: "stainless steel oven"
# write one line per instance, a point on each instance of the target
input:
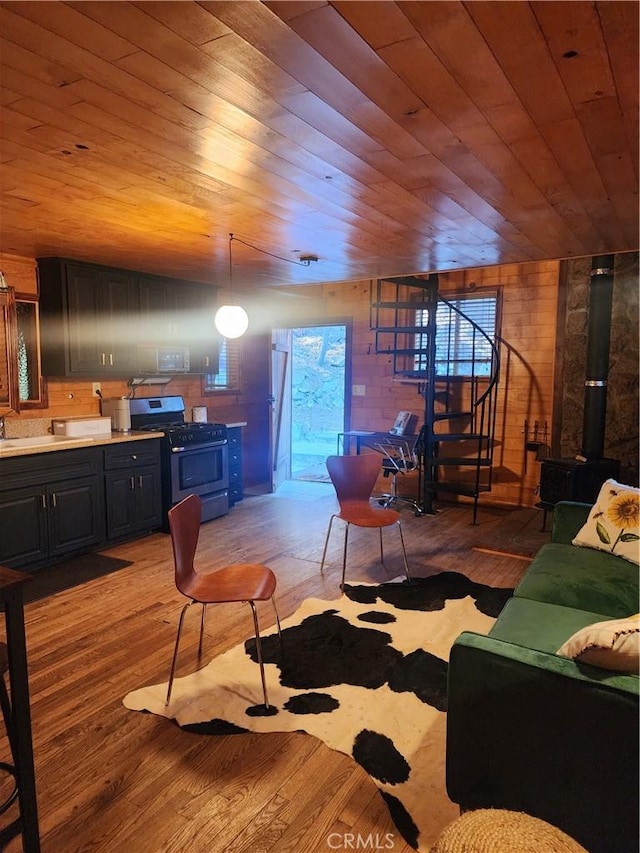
(195, 456)
(199, 469)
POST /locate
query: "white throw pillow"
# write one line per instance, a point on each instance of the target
(613, 522)
(614, 644)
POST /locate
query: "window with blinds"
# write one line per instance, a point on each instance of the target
(461, 349)
(228, 376)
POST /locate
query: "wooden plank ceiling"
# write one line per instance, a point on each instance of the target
(384, 138)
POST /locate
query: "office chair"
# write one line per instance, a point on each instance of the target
(248, 582)
(400, 455)
(353, 478)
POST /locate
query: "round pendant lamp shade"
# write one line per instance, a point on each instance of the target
(231, 321)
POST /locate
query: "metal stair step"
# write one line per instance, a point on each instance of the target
(458, 460)
(414, 330)
(467, 489)
(460, 436)
(448, 416)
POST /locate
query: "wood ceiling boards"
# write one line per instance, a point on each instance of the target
(385, 138)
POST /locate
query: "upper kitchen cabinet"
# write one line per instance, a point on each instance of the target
(89, 318)
(98, 322)
(180, 313)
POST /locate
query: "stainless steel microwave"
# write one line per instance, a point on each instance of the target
(163, 359)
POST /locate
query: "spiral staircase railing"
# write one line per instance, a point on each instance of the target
(413, 324)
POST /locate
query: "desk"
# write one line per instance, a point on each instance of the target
(366, 438)
(11, 583)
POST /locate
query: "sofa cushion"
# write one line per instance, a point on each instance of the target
(581, 578)
(613, 644)
(613, 522)
(539, 625)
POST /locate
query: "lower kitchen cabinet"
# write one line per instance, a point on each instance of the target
(53, 505)
(132, 488)
(234, 440)
(47, 510)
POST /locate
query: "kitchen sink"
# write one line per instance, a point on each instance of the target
(38, 441)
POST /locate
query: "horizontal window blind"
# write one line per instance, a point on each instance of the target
(228, 376)
(461, 349)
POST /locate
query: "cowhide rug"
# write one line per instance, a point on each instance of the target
(365, 673)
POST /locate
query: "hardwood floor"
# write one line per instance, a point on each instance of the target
(109, 779)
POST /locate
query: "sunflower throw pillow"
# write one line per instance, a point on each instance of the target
(613, 522)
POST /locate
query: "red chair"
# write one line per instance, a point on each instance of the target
(248, 582)
(354, 478)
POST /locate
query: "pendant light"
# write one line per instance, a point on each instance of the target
(231, 320)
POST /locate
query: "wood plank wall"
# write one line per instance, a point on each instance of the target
(530, 293)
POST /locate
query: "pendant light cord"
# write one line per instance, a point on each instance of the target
(301, 263)
(230, 270)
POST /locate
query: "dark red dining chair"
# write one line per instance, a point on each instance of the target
(248, 582)
(354, 478)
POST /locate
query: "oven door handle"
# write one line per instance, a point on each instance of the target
(199, 446)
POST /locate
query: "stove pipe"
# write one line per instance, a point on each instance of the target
(597, 371)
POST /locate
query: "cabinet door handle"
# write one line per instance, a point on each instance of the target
(43, 501)
(54, 500)
(133, 456)
(103, 358)
(111, 359)
(140, 481)
(206, 361)
(132, 484)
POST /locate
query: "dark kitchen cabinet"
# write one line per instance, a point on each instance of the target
(160, 316)
(49, 508)
(180, 313)
(132, 488)
(89, 316)
(234, 438)
(94, 318)
(24, 531)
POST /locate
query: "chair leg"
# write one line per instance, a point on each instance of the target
(404, 553)
(344, 555)
(204, 612)
(381, 548)
(12, 770)
(7, 713)
(175, 651)
(326, 543)
(259, 651)
(275, 610)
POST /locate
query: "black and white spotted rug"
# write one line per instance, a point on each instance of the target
(365, 673)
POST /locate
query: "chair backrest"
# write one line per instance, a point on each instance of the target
(184, 526)
(402, 454)
(354, 477)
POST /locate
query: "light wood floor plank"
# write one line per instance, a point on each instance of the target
(109, 779)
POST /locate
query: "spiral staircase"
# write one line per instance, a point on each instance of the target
(455, 365)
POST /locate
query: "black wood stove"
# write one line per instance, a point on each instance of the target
(580, 478)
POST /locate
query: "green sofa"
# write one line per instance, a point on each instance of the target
(530, 731)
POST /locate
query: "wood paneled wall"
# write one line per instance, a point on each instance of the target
(530, 299)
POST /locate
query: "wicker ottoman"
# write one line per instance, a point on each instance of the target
(500, 831)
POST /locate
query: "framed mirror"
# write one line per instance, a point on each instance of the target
(31, 384)
(8, 375)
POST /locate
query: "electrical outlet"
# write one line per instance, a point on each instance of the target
(96, 387)
(358, 390)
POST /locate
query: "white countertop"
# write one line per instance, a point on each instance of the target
(52, 443)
